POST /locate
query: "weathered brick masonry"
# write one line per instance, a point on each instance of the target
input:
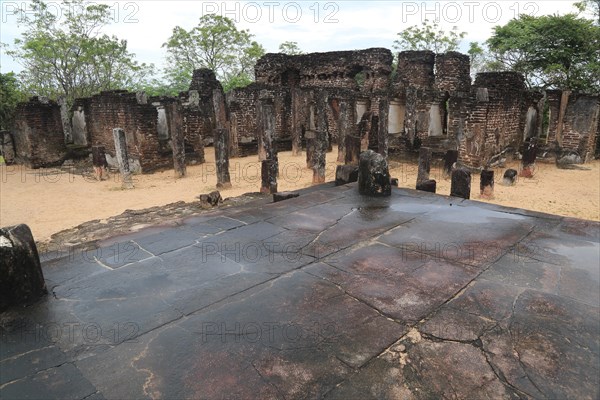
(39, 139)
(428, 101)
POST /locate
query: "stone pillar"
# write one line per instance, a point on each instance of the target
(449, 159)
(296, 124)
(352, 149)
(373, 175)
(309, 138)
(382, 137)
(221, 117)
(266, 149)
(364, 129)
(122, 157)
(346, 127)
(233, 136)
(221, 145)
(461, 183)
(66, 121)
(21, 278)
(529, 156)
(321, 140)
(175, 127)
(424, 164)
(486, 184)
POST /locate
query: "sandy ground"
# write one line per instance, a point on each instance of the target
(51, 200)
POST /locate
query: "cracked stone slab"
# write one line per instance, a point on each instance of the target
(403, 285)
(313, 334)
(345, 306)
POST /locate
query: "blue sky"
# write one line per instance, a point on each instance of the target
(317, 26)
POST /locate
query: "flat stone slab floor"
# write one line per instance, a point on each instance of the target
(328, 295)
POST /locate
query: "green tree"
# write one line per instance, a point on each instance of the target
(428, 37)
(214, 43)
(65, 54)
(481, 59)
(552, 51)
(290, 48)
(10, 95)
(593, 6)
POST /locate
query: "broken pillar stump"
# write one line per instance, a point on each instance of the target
(424, 164)
(221, 144)
(461, 183)
(528, 160)
(210, 200)
(486, 184)
(280, 196)
(510, 177)
(21, 278)
(99, 161)
(346, 174)
(373, 175)
(429, 185)
(122, 157)
(450, 158)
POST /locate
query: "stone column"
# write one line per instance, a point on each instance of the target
(461, 183)
(21, 278)
(424, 164)
(346, 127)
(266, 148)
(296, 124)
(122, 157)
(321, 140)
(221, 145)
(66, 121)
(221, 117)
(364, 130)
(486, 184)
(382, 137)
(175, 126)
(449, 159)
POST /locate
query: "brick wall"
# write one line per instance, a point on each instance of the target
(121, 109)
(579, 125)
(495, 117)
(38, 134)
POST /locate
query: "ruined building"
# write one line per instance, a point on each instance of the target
(320, 100)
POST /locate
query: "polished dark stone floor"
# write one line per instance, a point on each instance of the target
(328, 295)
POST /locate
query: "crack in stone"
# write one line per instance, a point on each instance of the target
(267, 381)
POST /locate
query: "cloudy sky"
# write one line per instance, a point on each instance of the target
(315, 25)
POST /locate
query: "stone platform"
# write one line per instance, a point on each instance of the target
(328, 295)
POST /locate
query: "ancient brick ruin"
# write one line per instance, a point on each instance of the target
(355, 100)
(39, 140)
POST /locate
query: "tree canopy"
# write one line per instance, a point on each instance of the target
(69, 56)
(428, 36)
(10, 95)
(214, 43)
(290, 48)
(552, 51)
